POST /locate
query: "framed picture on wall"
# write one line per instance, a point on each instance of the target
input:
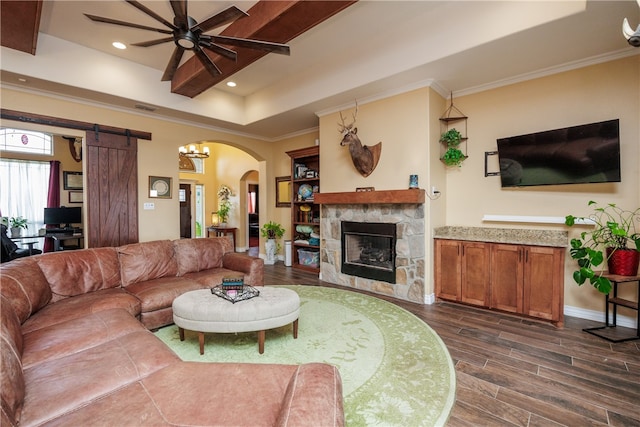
(75, 196)
(72, 180)
(160, 187)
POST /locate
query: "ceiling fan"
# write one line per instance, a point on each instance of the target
(188, 34)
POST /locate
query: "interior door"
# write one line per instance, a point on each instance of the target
(185, 211)
(112, 189)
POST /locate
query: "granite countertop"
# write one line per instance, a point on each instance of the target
(551, 238)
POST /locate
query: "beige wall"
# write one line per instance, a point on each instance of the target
(596, 93)
(408, 127)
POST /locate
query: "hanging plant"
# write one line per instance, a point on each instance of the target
(453, 157)
(452, 138)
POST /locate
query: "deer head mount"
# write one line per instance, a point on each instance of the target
(364, 158)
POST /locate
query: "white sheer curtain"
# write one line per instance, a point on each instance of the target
(23, 191)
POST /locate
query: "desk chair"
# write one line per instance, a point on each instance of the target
(11, 251)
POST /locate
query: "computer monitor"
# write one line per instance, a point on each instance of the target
(62, 217)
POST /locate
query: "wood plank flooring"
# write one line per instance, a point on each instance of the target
(513, 371)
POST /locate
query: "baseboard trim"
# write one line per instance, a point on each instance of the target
(430, 299)
(598, 316)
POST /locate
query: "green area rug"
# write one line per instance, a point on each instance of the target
(395, 369)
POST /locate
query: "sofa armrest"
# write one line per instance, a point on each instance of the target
(313, 397)
(252, 267)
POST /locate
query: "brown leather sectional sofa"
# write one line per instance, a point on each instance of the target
(76, 347)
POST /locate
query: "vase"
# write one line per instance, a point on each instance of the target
(16, 231)
(270, 250)
(623, 262)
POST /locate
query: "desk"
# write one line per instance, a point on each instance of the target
(58, 238)
(223, 231)
(29, 244)
(609, 331)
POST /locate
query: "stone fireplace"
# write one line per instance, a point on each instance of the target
(395, 213)
(369, 250)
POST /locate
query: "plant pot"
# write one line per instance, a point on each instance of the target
(16, 231)
(270, 248)
(623, 262)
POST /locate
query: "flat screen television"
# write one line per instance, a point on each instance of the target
(581, 154)
(62, 217)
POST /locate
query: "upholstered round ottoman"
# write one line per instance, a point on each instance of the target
(201, 311)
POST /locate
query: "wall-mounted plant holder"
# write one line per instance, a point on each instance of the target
(488, 154)
(453, 136)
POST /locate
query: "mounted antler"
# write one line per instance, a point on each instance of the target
(365, 158)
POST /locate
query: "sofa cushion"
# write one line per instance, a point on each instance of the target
(220, 394)
(24, 285)
(75, 335)
(11, 377)
(140, 262)
(160, 293)
(80, 306)
(195, 255)
(58, 386)
(71, 273)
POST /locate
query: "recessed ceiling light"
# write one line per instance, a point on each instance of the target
(119, 45)
(231, 84)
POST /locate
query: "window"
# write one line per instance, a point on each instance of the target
(24, 187)
(26, 141)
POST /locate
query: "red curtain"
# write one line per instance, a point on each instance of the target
(53, 197)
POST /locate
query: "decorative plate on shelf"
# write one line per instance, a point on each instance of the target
(305, 191)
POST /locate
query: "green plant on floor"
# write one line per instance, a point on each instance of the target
(272, 230)
(614, 228)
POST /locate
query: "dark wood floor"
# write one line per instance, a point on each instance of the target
(512, 371)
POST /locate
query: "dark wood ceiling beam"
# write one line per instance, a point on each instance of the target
(274, 21)
(19, 24)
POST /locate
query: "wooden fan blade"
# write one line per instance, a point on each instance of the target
(151, 13)
(282, 49)
(207, 62)
(172, 66)
(180, 11)
(126, 24)
(220, 50)
(153, 42)
(228, 15)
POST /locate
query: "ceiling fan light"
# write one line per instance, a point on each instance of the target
(188, 40)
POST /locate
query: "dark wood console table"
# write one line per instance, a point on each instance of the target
(610, 331)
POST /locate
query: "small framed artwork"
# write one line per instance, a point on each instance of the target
(75, 196)
(160, 187)
(283, 191)
(72, 180)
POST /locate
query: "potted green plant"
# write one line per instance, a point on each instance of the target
(224, 207)
(272, 231)
(17, 223)
(453, 156)
(616, 231)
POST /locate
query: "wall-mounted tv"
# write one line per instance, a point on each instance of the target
(581, 154)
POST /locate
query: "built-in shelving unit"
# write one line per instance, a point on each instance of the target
(305, 214)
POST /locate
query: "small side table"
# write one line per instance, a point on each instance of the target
(223, 231)
(610, 331)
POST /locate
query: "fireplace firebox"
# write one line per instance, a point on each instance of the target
(369, 250)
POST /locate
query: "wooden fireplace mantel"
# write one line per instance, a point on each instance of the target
(415, 195)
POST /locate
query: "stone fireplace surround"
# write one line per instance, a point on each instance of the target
(405, 208)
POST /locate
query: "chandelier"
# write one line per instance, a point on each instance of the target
(193, 152)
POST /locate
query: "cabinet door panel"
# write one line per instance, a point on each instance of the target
(475, 273)
(447, 269)
(543, 272)
(506, 277)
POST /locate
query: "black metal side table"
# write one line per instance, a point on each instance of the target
(610, 331)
